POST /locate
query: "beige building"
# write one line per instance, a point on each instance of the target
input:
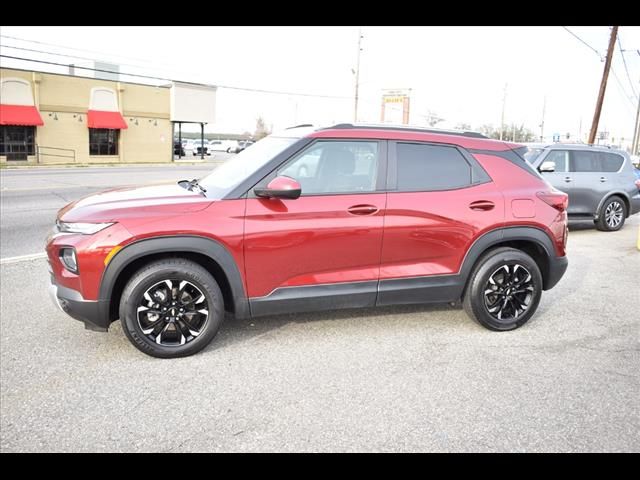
(48, 118)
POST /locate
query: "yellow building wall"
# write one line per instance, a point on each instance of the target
(145, 109)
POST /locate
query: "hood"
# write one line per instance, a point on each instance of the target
(153, 200)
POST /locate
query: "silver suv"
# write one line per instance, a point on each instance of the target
(600, 181)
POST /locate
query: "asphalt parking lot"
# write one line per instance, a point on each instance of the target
(410, 378)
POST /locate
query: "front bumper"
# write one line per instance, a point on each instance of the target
(557, 267)
(93, 313)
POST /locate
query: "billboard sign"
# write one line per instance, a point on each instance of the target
(395, 106)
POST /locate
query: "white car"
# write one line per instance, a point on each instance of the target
(198, 146)
(222, 145)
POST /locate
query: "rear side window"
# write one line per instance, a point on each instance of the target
(585, 161)
(430, 167)
(611, 162)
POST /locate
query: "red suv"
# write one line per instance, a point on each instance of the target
(315, 219)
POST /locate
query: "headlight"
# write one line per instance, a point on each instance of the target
(83, 228)
(69, 260)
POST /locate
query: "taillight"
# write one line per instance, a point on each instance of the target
(556, 199)
(638, 184)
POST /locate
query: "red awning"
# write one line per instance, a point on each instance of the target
(20, 115)
(102, 119)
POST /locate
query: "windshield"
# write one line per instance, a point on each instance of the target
(532, 153)
(235, 170)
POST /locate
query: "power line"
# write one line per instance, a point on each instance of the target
(585, 43)
(228, 87)
(612, 69)
(66, 56)
(625, 67)
(624, 92)
(72, 48)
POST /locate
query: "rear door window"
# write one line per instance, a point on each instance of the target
(582, 161)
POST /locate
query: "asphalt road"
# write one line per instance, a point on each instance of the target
(30, 198)
(393, 379)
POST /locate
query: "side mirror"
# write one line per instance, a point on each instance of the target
(548, 167)
(280, 187)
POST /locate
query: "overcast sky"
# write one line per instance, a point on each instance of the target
(458, 73)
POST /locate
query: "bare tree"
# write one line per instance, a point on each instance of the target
(261, 128)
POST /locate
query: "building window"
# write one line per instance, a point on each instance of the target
(103, 141)
(16, 142)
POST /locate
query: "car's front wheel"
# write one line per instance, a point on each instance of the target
(504, 289)
(171, 308)
(612, 215)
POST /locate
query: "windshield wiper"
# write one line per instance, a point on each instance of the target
(193, 185)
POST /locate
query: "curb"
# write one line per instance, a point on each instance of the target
(106, 165)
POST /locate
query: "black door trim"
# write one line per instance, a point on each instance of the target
(312, 298)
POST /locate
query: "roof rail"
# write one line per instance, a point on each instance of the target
(300, 126)
(461, 133)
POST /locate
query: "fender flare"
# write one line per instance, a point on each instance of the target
(505, 234)
(619, 193)
(177, 243)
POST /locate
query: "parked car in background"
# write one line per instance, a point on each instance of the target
(231, 146)
(222, 145)
(178, 148)
(600, 181)
(187, 144)
(242, 144)
(200, 147)
(387, 215)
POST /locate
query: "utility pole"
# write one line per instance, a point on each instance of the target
(504, 101)
(636, 132)
(357, 73)
(603, 85)
(580, 131)
(544, 107)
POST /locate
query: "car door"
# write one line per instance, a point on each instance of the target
(591, 183)
(561, 178)
(439, 200)
(321, 250)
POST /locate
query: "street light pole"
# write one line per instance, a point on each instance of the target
(636, 132)
(357, 73)
(544, 107)
(504, 101)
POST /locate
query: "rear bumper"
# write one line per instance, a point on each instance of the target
(635, 204)
(93, 313)
(557, 267)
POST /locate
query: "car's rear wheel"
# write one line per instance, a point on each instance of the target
(171, 308)
(612, 215)
(504, 289)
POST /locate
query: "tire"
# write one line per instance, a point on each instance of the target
(485, 308)
(612, 215)
(182, 334)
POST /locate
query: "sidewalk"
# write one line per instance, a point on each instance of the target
(175, 163)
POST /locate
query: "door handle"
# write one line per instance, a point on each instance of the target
(362, 210)
(603, 179)
(481, 205)
(567, 179)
